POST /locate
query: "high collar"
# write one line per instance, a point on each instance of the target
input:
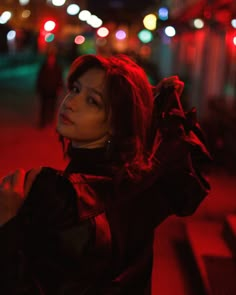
(89, 161)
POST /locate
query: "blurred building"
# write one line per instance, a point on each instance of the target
(203, 53)
(202, 50)
(195, 39)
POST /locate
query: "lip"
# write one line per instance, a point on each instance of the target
(65, 120)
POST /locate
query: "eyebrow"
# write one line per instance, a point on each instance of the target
(91, 89)
(96, 92)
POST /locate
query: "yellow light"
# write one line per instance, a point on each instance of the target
(150, 22)
(26, 13)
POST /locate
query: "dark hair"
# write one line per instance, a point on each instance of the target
(130, 103)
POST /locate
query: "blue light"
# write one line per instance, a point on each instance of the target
(163, 13)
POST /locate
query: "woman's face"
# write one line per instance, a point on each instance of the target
(82, 115)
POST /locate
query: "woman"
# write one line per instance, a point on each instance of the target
(89, 229)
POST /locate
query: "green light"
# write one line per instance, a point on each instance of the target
(49, 37)
(88, 47)
(145, 36)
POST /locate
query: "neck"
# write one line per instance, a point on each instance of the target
(99, 143)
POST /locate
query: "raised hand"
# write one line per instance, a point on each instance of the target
(172, 81)
(11, 195)
(13, 191)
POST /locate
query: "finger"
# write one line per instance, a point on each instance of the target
(179, 84)
(171, 78)
(18, 180)
(3, 179)
(170, 81)
(7, 179)
(179, 87)
(161, 84)
(5, 182)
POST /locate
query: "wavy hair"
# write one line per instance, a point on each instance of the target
(129, 103)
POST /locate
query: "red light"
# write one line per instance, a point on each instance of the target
(230, 38)
(79, 39)
(234, 40)
(47, 32)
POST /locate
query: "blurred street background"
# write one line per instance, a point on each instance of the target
(195, 39)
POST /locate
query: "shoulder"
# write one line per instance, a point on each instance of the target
(42, 175)
(47, 179)
(50, 193)
(91, 192)
(83, 194)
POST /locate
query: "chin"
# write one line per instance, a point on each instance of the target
(65, 131)
(58, 128)
(62, 130)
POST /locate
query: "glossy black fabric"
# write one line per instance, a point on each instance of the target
(43, 247)
(50, 247)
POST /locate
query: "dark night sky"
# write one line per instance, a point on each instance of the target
(119, 10)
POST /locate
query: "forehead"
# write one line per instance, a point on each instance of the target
(93, 78)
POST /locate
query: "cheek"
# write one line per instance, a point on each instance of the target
(92, 123)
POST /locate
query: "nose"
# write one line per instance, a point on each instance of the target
(70, 102)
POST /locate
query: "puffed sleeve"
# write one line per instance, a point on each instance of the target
(51, 205)
(185, 191)
(184, 181)
(181, 153)
(51, 200)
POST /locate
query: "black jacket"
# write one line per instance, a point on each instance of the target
(78, 233)
(73, 236)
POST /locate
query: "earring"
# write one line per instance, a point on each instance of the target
(108, 148)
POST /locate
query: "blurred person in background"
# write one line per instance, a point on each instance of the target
(135, 158)
(49, 84)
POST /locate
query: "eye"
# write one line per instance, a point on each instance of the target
(75, 89)
(92, 100)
